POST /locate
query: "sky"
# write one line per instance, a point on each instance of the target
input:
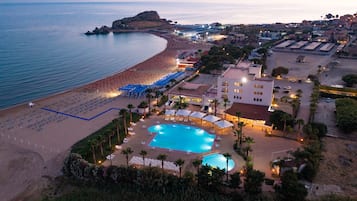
(352, 3)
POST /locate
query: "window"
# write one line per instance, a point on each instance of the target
(259, 86)
(258, 93)
(238, 84)
(238, 91)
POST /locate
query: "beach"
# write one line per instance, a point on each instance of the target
(35, 140)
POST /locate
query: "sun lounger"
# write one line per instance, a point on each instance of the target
(142, 120)
(132, 123)
(130, 129)
(131, 133)
(126, 140)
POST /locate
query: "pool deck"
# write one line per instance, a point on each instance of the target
(265, 149)
(142, 138)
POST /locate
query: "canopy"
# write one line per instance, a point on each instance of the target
(198, 115)
(223, 124)
(211, 118)
(183, 112)
(136, 160)
(170, 112)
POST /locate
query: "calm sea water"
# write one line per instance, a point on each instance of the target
(43, 50)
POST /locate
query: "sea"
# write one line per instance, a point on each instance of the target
(43, 50)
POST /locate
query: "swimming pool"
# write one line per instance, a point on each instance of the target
(218, 160)
(181, 138)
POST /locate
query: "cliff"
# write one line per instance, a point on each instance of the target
(144, 20)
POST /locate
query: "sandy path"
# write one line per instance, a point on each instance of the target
(34, 142)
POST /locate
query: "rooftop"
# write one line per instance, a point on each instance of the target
(190, 89)
(248, 111)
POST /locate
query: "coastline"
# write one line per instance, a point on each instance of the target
(27, 131)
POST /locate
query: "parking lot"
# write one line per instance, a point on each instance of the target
(297, 70)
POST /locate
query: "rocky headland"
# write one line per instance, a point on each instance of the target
(144, 21)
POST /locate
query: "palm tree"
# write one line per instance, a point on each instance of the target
(123, 115)
(284, 118)
(130, 107)
(143, 153)
(162, 158)
(249, 141)
(240, 133)
(116, 122)
(110, 135)
(197, 164)
(228, 157)
(238, 114)
(225, 104)
(127, 152)
(298, 93)
(179, 162)
(93, 144)
(149, 96)
(100, 141)
(157, 95)
(215, 104)
(300, 122)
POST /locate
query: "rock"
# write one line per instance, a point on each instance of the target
(146, 19)
(99, 31)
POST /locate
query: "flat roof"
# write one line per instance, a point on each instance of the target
(285, 44)
(249, 111)
(312, 46)
(327, 47)
(189, 89)
(298, 45)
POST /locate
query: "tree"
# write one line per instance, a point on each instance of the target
(149, 96)
(253, 182)
(197, 164)
(143, 153)
(238, 114)
(93, 144)
(123, 115)
(284, 118)
(228, 157)
(240, 128)
(346, 112)
(225, 104)
(130, 107)
(162, 158)
(279, 71)
(100, 141)
(350, 79)
(215, 104)
(277, 119)
(179, 162)
(290, 188)
(235, 180)
(249, 141)
(127, 152)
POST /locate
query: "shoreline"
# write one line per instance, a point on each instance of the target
(166, 55)
(49, 136)
(25, 104)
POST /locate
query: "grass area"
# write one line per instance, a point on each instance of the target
(99, 140)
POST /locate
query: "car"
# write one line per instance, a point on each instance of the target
(287, 88)
(276, 87)
(286, 91)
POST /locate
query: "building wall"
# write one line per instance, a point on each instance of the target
(253, 91)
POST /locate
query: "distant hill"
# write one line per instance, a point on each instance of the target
(144, 20)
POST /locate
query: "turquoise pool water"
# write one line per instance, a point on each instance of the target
(218, 160)
(181, 138)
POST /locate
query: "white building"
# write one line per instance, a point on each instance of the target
(244, 84)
